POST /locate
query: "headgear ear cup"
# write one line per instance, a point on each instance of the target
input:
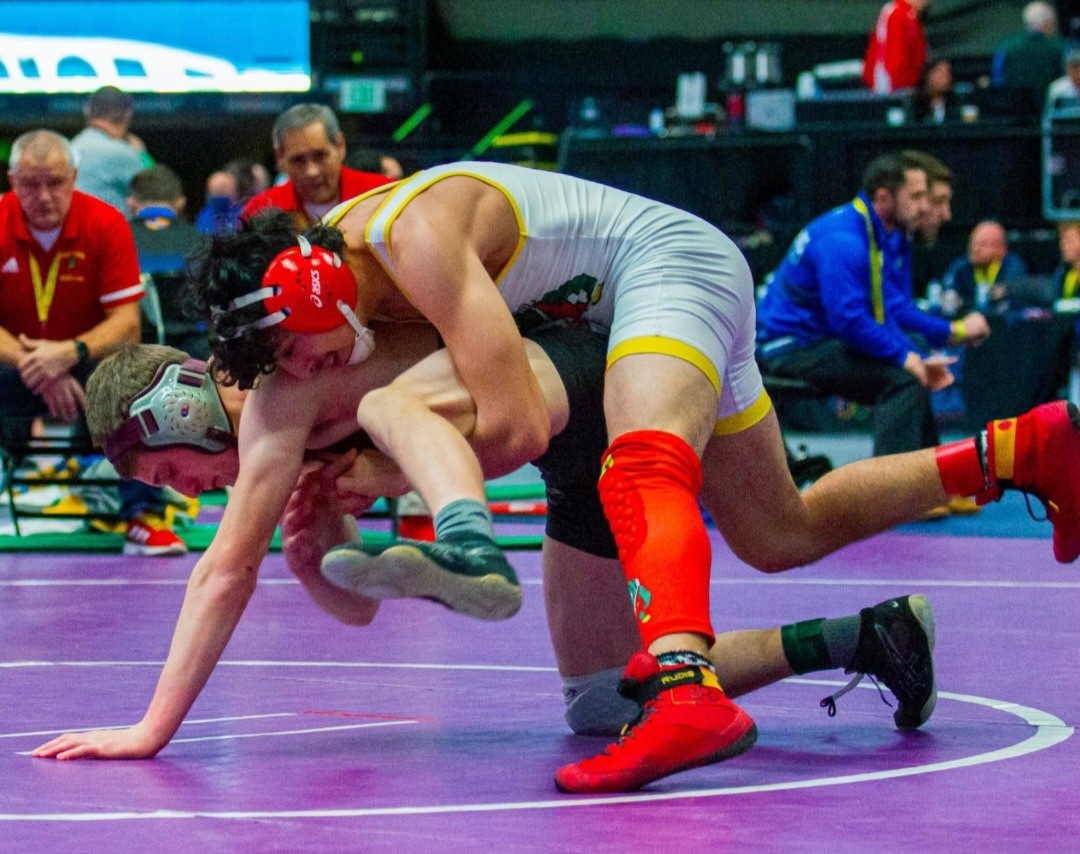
(307, 289)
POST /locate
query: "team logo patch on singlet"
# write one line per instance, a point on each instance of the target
(570, 300)
(641, 598)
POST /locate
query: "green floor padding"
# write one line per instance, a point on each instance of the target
(198, 537)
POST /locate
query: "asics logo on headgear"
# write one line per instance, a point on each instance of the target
(316, 288)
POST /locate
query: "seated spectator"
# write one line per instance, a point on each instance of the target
(839, 312)
(978, 280)
(69, 295)
(162, 236)
(897, 48)
(1067, 276)
(1066, 88)
(310, 148)
(1031, 60)
(163, 239)
(933, 101)
(227, 191)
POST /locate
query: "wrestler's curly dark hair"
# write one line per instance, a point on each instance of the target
(229, 265)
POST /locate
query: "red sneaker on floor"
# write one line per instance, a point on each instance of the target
(148, 535)
(687, 722)
(1039, 453)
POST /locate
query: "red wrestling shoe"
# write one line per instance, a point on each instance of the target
(1039, 453)
(687, 722)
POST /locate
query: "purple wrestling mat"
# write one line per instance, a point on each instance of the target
(431, 732)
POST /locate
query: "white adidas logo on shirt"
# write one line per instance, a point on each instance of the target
(10, 266)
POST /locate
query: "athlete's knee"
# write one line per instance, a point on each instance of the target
(594, 705)
(381, 408)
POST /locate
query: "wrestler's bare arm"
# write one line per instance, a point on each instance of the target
(435, 382)
(272, 439)
(438, 247)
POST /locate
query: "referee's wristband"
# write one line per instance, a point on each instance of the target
(957, 333)
(81, 351)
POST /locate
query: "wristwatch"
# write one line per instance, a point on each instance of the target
(82, 351)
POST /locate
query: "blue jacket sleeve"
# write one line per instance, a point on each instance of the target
(843, 266)
(935, 330)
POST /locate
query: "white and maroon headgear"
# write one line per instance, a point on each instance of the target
(307, 289)
(180, 408)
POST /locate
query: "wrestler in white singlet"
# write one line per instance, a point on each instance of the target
(663, 280)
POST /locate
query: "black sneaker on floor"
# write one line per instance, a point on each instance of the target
(896, 646)
(467, 574)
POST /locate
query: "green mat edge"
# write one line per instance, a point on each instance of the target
(198, 537)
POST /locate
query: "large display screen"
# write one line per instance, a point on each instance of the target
(61, 46)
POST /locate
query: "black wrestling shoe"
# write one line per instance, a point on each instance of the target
(466, 573)
(896, 646)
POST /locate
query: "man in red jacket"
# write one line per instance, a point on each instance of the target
(310, 148)
(897, 48)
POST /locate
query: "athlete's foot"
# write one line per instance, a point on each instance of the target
(466, 573)
(1039, 453)
(896, 646)
(687, 722)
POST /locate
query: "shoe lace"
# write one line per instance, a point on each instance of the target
(1031, 513)
(630, 729)
(830, 701)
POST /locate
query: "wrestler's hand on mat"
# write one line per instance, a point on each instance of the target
(371, 476)
(132, 743)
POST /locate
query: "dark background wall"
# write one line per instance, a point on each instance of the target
(473, 62)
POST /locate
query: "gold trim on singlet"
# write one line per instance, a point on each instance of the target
(666, 347)
(424, 184)
(744, 420)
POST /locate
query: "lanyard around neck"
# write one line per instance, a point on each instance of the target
(1068, 290)
(44, 291)
(989, 275)
(877, 261)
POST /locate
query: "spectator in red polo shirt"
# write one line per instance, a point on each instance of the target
(310, 149)
(69, 295)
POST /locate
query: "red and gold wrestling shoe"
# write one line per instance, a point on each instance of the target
(1039, 453)
(687, 722)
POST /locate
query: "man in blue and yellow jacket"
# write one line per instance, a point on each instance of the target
(840, 311)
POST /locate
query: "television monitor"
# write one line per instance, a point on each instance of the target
(166, 46)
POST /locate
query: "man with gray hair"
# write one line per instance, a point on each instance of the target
(310, 148)
(69, 295)
(1031, 60)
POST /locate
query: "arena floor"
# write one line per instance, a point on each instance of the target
(431, 732)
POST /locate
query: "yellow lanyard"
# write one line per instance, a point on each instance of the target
(1068, 290)
(989, 275)
(45, 291)
(877, 261)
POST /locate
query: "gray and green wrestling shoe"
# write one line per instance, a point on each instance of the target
(464, 572)
(896, 646)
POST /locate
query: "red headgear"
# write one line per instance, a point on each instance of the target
(306, 289)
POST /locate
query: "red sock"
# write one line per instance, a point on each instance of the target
(648, 485)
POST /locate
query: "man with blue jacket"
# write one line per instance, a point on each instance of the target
(840, 312)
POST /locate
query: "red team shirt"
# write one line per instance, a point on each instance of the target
(897, 49)
(353, 183)
(91, 269)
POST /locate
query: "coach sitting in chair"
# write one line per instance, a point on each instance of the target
(69, 295)
(839, 312)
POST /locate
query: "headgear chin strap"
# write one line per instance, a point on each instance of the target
(181, 407)
(307, 289)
